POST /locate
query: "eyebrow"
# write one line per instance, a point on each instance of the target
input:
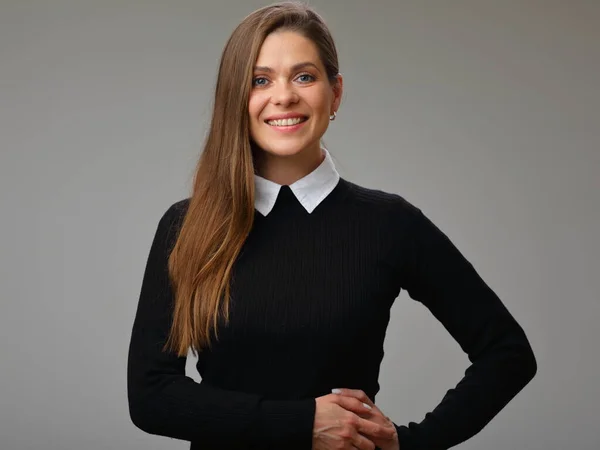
(295, 67)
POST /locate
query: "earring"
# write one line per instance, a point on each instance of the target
(332, 117)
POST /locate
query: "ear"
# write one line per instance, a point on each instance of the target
(338, 90)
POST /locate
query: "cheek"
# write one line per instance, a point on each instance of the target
(320, 102)
(255, 106)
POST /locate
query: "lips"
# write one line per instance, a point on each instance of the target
(290, 115)
(287, 122)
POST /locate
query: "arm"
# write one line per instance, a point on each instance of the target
(164, 401)
(436, 274)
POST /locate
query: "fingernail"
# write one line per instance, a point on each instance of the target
(367, 406)
(336, 391)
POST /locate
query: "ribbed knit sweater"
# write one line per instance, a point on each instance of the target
(310, 304)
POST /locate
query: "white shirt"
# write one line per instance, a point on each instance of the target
(310, 190)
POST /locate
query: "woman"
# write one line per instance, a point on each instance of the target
(280, 276)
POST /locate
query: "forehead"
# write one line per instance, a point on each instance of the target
(283, 48)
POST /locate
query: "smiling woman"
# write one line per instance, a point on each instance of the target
(292, 98)
(280, 275)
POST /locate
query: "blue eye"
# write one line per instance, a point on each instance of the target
(305, 75)
(255, 81)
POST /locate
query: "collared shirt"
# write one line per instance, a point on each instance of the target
(310, 190)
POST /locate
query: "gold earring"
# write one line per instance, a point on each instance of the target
(332, 117)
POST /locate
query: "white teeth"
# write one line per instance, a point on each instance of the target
(285, 122)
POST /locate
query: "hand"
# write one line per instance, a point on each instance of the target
(338, 425)
(374, 415)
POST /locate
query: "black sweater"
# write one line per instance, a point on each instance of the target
(311, 298)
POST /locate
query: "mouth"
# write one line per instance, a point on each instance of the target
(289, 122)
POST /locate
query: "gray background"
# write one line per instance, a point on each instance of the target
(485, 114)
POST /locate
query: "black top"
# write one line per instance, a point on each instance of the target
(311, 297)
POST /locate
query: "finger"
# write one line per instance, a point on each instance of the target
(375, 430)
(362, 443)
(356, 406)
(352, 404)
(356, 393)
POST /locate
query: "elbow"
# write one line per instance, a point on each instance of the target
(524, 357)
(143, 402)
(527, 359)
(138, 417)
(530, 365)
(518, 360)
(522, 365)
(142, 417)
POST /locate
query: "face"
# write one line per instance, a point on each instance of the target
(291, 97)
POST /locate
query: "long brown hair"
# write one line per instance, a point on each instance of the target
(221, 208)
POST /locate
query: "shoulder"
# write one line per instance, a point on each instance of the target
(377, 201)
(172, 218)
(176, 211)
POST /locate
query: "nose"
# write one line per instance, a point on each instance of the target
(284, 94)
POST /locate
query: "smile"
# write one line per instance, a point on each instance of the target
(286, 122)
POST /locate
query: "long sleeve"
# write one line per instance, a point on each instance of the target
(436, 274)
(164, 401)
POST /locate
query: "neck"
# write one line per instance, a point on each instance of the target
(286, 170)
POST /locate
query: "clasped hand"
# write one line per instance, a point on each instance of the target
(343, 422)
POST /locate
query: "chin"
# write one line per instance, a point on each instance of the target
(284, 150)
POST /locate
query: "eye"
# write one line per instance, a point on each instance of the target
(306, 78)
(258, 81)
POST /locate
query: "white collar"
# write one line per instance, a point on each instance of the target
(310, 190)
